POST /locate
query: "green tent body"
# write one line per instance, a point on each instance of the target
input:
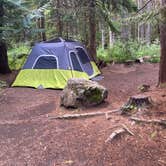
(52, 63)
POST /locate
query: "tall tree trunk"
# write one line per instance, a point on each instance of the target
(85, 29)
(162, 72)
(37, 27)
(102, 38)
(4, 67)
(141, 27)
(148, 26)
(125, 28)
(111, 38)
(67, 30)
(92, 28)
(59, 25)
(42, 26)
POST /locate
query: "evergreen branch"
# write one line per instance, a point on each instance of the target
(144, 6)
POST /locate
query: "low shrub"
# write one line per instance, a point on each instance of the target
(130, 50)
(17, 55)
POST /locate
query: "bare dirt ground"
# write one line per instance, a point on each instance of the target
(29, 137)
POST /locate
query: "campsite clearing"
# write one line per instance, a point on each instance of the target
(29, 137)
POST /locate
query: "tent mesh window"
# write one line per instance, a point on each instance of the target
(75, 62)
(46, 62)
(82, 55)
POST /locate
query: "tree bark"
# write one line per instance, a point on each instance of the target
(42, 26)
(92, 28)
(102, 39)
(111, 38)
(4, 67)
(141, 27)
(148, 26)
(162, 71)
(59, 21)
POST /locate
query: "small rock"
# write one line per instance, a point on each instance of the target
(144, 88)
(82, 92)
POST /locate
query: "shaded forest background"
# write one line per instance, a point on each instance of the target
(112, 30)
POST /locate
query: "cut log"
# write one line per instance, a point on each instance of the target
(135, 103)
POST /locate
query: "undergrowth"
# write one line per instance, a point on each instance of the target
(17, 55)
(119, 53)
(131, 50)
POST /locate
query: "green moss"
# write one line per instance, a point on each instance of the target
(93, 95)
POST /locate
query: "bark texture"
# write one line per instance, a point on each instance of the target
(162, 72)
(59, 25)
(42, 26)
(92, 28)
(4, 67)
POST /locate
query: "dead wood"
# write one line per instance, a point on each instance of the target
(107, 116)
(161, 122)
(127, 129)
(115, 134)
(118, 132)
(84, 115)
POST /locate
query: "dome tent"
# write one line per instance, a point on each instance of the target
(51, 63)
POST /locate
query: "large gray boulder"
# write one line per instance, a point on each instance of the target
(82, 92)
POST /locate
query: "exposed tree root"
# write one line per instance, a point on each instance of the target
(161, 122)
(84, 115)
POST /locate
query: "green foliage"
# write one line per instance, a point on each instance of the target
(130, 50)
(120, 52)
(104, 54)
(17, 55)
(148, 50)
(18, 20)
(119, 7)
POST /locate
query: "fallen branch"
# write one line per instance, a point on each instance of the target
(84, 115)
(119, 132)
(161, 122)
(107, 116)
(127, 129)
(115, 134)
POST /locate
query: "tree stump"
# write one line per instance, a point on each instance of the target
(136, 103)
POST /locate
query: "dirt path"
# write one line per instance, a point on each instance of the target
(29, 138)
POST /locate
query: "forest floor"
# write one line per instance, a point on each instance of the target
(29, 137)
